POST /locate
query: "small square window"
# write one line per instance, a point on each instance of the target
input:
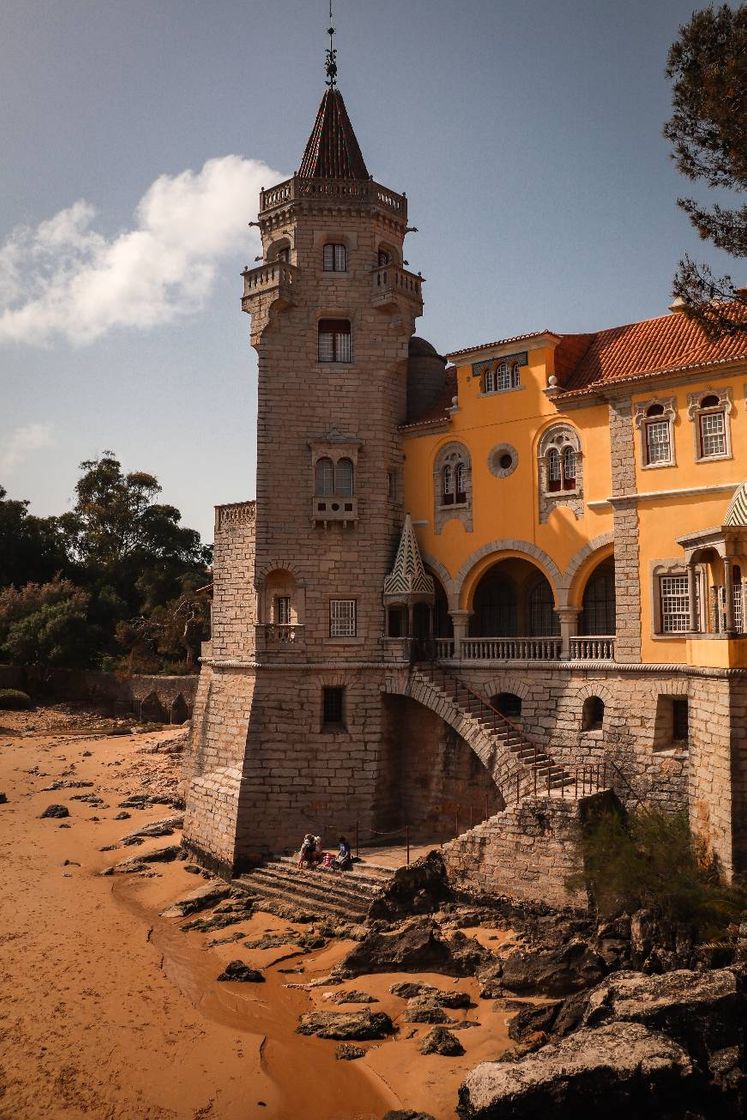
(335, 258)
(335, 344)
(333, 706)
(343, 618)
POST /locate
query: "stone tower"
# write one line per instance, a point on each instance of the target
(288, 730)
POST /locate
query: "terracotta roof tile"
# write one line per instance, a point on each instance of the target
(332, 151)
(499, 342)
(663, 345)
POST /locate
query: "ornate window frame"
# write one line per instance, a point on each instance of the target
(558, 439)
(503, 451)
(697, 413)
(501, 374)
(644, 422)
(339, 506)
(454, 457)
(661, 570)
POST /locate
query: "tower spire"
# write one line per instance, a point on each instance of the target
(331, 55)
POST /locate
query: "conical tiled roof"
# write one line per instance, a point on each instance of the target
(408, 577)
(332, 151)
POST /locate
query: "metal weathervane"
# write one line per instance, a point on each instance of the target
(331, 62)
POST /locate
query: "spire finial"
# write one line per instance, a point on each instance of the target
(331, 62)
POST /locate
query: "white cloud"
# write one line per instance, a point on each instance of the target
(62, 278)
(21, 443)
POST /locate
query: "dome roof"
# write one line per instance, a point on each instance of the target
(420, 348)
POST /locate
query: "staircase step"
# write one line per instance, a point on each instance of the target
(314, 883)
(321, 907)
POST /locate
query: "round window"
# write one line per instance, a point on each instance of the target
(503, 460)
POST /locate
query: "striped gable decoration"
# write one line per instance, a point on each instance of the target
(408, 578)
(736, 514)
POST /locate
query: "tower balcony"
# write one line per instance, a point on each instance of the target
(325, 191)
(275, 279)
(392, 283)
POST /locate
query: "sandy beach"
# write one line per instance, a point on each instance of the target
(109, 1010)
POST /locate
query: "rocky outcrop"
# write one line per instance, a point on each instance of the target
(55, 811)
(237, 970)
(419, 888)
(553, 972)
(424, 1009)
(201, 898)
(416, 945)
(441, 1041)
(623, 1069)
(346, 1026)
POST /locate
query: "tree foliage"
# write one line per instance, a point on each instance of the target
(118, 581)
(708, 131)
(652, 860)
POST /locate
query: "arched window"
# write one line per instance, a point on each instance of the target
(460, 483)
(592, 715)
(559, 455)
(324, 478)
(598, 605)
(335, 258)
(452, 485)
(344, 479)
(384, 257)
(569, 468)
(447, 485)
(554, 473)
(335, 340)
(542, 617)
(710, 412)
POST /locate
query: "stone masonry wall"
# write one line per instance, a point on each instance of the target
(526, 852)
(625, 515)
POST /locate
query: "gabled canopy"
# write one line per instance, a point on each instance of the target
(408, 580)
(332, 151)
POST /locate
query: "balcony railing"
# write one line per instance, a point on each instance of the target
(593, 649)
(510, 649)
(324, 190)
(271, 634)
(276, 277)
(392, 282)
(590, 648)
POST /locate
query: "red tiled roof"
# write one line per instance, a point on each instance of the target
(667, 344)
(499, 342)
(332, 151)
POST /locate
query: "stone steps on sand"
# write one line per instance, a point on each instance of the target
(340, 894)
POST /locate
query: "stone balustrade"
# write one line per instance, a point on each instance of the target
(586, 648)
(594, 648)
(325, 190)
(277, 277)
(392, 282)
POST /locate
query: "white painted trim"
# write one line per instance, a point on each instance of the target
(686, 492)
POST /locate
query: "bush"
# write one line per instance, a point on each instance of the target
(13, 698)
(652, 860)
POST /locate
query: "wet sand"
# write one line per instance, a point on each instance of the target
(109, 1010)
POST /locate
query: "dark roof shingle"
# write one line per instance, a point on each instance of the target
(332, 151)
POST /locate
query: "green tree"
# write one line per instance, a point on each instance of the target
(47, 624)
(31, 548)
(708, 130)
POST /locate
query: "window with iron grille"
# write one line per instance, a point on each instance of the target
(712, 434)
(344, 478)
(335, 258)
(335, 344)
(658, 442)
(333, 706)
(675, 604)
(282, 610)
(342, 618)
(324, 478)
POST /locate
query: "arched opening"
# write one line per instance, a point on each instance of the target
(430, 779)
(508, 704)
(592, 714)
(513, 599)
(598, 602)
(151, 709)
(282, 607)
(179, 711)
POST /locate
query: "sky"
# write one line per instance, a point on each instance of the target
(527, 135)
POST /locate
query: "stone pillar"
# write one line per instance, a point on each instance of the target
(568, 628)
(692, 578)
(728, 597)
(625, 507)
(461, 624)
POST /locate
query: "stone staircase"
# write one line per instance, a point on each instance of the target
(520, 767)
(337, 895)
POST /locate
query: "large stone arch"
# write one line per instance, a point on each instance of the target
(445, 577)
(583, 563)
(468, 576)
(264, 570)
(494, 756)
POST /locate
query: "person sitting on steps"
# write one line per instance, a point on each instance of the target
(306, 855)
(344, 858)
